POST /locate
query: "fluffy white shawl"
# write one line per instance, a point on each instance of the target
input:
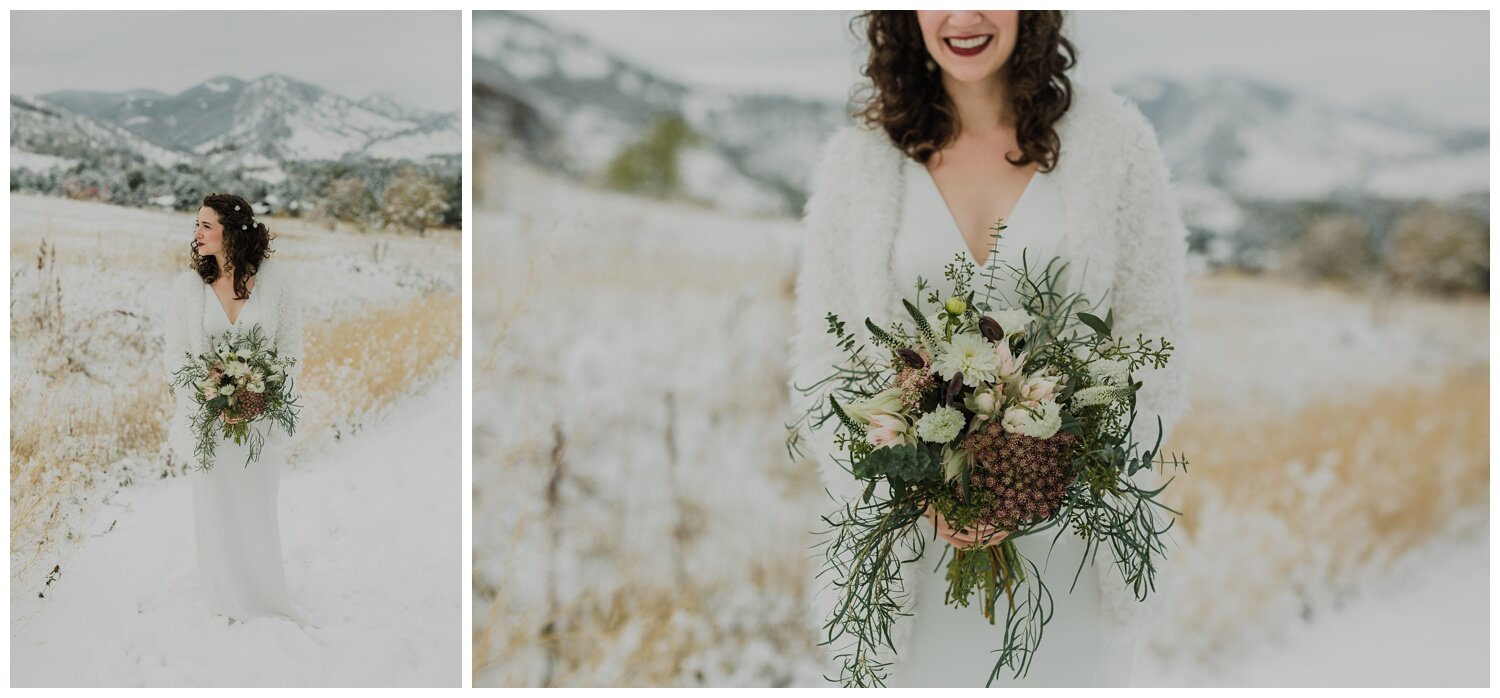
(280, 316)
(1121, 216)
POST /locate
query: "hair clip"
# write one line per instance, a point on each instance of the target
(236, 208)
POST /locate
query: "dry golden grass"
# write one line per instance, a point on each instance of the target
(1392, 466)
(59, 450)
(362, 365)
(53, 442)
(640, 636)
(1286, 512)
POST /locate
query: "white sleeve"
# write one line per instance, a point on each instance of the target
(1150, 292)
(813, 351)
(174, 342)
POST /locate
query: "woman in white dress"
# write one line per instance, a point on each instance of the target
(233, 286)
(970, 119)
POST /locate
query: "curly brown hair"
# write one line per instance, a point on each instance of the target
(907, 99)
(247, 243)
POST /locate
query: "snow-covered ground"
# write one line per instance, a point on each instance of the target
(101, 519)
(371, 539)
(637, 520)
(1423, 622)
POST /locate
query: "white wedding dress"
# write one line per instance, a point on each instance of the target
(234, 509)
(952, 646)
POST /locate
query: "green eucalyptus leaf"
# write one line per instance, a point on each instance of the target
(906, 463)
(1095, 323)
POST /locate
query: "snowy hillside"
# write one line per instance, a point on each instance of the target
(274, 118)
(1262, 141)
(392, 105)
(592, 104)
(41, 128)
(637, 520)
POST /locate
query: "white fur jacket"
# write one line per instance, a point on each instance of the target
(280, 315)
(1121, 216)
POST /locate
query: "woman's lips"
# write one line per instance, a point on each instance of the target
(969, 45)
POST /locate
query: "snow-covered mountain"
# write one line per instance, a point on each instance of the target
(255, 124)
(43, 134)
(1257, 140)
(391, 105)
(564, 102)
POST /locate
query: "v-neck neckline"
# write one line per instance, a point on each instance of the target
(957, 229)
(235, 323)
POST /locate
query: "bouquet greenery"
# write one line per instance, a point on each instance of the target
(239, 382)
(1003, 422)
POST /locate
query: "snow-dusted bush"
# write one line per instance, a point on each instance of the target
(413, 203)
(1433, 249)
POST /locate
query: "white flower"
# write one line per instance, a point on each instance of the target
(1099, 395)
(969, 354)
(940, 425)
(236, 369)
(256, 387)
(1042, 425)
(887, 401)
(227, 390)
(1013, 320)
(1109, 372)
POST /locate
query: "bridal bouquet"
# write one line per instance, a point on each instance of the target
(239, 382)
(1003, 421)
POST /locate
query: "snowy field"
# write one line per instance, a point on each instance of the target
(100, 510)
(370, 538)
(637, 520)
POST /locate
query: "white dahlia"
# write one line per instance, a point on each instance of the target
(969, 354)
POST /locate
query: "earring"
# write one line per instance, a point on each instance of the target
(931, 66)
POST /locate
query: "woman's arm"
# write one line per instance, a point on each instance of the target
(1150, 289)
(813, 352)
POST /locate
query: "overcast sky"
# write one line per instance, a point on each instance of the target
(1433, 62)
(415, 55)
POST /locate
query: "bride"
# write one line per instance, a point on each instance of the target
(971, 118)
(233, 286)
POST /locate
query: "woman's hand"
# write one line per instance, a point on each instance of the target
(965, 537)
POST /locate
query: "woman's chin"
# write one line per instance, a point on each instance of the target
(972, 73)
